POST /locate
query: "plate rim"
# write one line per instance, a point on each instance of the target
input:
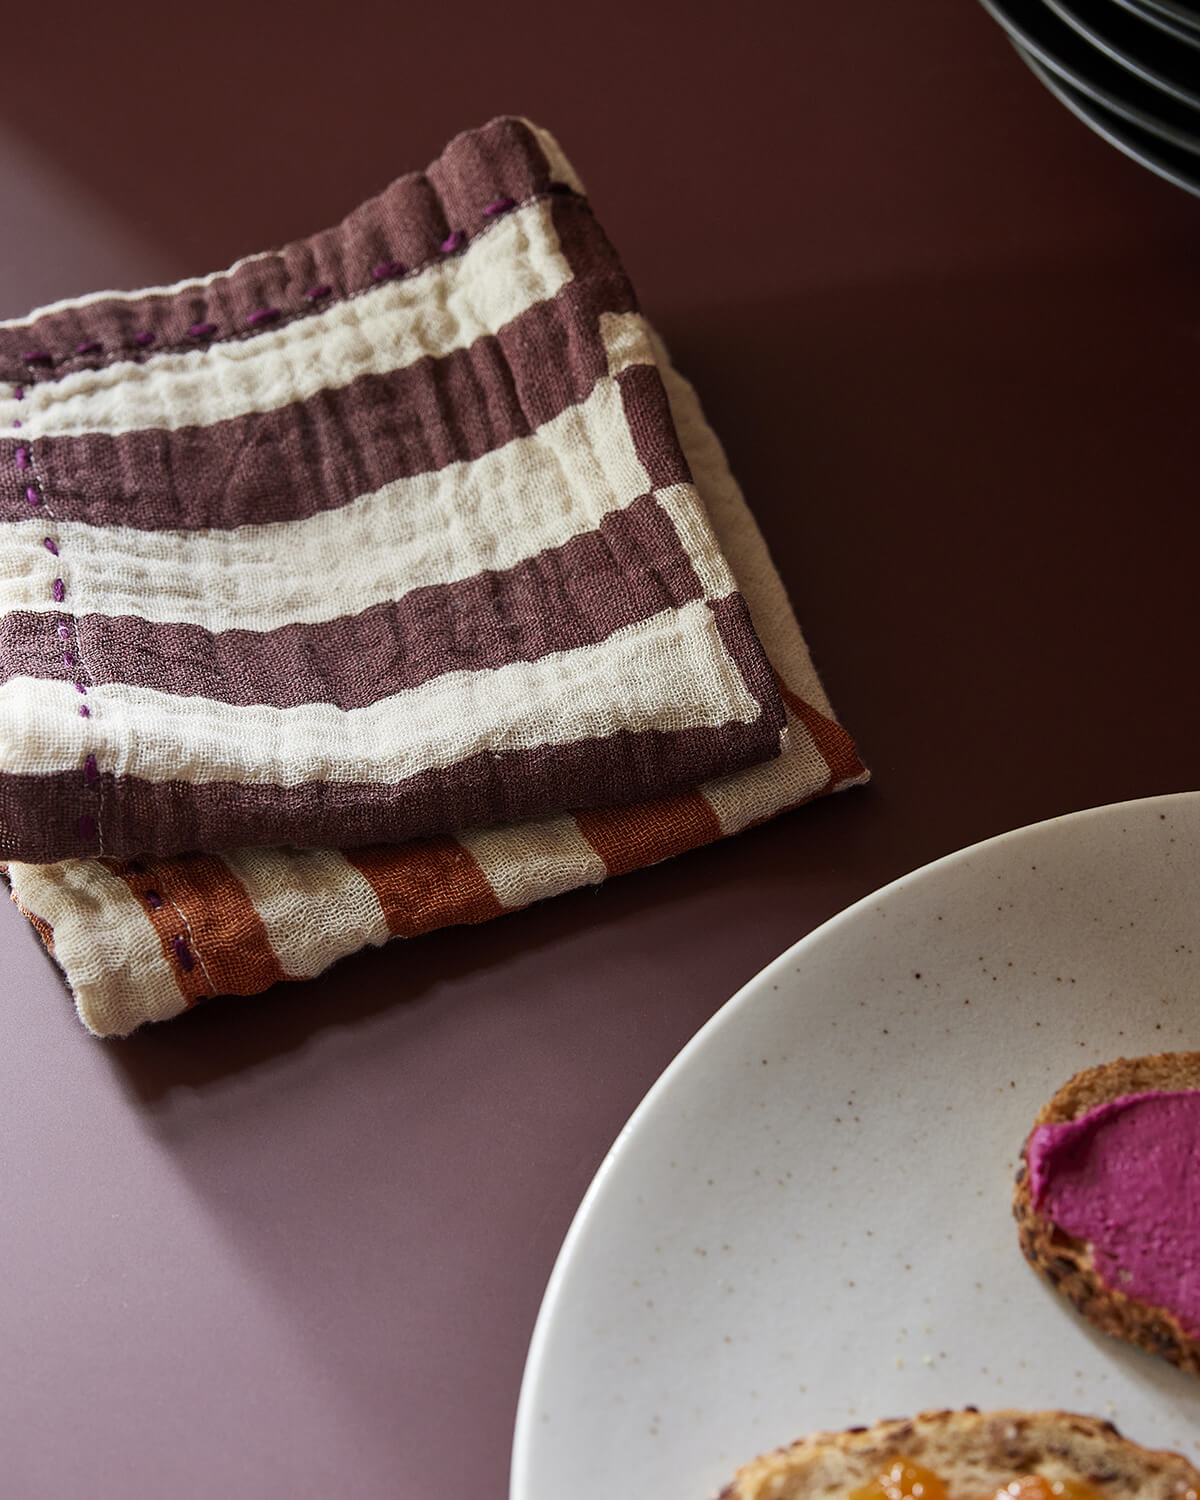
(1116, 52)
(1185, 15)
(1111, 104)
(1105, 94)
(524, 1426)
(1187, 32)
(1093, 114)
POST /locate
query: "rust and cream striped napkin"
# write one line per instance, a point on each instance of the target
(404, 530)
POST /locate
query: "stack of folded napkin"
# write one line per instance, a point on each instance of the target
(396, 571)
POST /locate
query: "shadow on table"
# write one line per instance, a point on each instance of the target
(422, 977)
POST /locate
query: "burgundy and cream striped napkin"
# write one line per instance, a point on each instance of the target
(404, 530)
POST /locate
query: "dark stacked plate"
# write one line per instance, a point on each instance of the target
(1129, 68)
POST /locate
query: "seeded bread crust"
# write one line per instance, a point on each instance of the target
(1066, 1262)
(974, 1453)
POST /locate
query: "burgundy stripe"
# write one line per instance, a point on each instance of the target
(319, 454)
(408, 222)
(651, 426)
(737, 633)
(40, 815)
(656, 442)
(575, 595)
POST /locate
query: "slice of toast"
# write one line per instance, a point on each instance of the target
(974, 1453)
(1066, 1262)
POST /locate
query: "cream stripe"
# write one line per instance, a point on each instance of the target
(532, 494)
(741, 541)
(688, 515)
(529, 861)
(314, 904)
(666, 673)
(626, 340)
(561, 169)
(514, 265)
(104, 942)
(745, 797)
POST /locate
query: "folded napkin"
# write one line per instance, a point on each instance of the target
(326, 550)
(379, 536)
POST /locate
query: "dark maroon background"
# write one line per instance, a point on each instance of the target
(294, 1247)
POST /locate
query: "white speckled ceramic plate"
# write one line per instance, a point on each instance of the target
(806, 1222)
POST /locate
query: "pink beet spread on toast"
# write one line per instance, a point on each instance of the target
(1125, 1177)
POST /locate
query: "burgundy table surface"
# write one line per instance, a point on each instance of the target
(294, 1246)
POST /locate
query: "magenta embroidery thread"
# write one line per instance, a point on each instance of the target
(383, 271)
(88, 826)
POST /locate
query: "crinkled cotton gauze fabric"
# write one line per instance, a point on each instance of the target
(386, 535)
(573, 553)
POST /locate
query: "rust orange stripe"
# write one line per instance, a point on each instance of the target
(204, 917)
(426, 883)
(144, 881)
(626, 838)
(835, 745)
